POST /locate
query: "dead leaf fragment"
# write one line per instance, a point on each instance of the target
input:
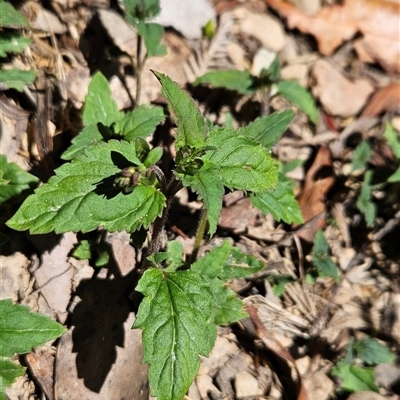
(312, 198)
(41, 365)
(383, 100)
(338, 95)
(266, 28)
(377, 20)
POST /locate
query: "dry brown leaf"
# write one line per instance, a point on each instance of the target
(377, 20)
(338, 95)
(384, 99)
(319, 179)
(41, 365)
(272, 344)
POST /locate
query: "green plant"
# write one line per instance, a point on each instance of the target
(361, 156)
(113, 181)
(356, 370)
(269, 82)
(21, 330)
(321, 258)
(12, 42)
(138, 13)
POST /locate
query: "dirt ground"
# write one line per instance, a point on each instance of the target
(347, 54)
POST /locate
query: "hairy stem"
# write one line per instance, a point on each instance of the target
(139, 69)
(199, 235)
(173, 187)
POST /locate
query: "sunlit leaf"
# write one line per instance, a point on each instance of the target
(300, 97)
(280, 202)
(267, 130)
(76, 198)
(15, 78)
(176, 316)
(191, 127)
(239, 81)
(21, 330)
(14, 180)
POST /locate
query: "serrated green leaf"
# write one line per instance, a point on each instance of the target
(10, 17)
(207, 183)
(355, 378)
(21, 330)
(364, 202)
(14, 180)
(9, 371)
(239, 81)
(69, 201)
(361, 155)
(239, 265)
(211, 264)
(267, 130)
(99, 106)
(227, 307)
(141, 122)
(83, 250)
(392, 139)
(12, 43)
(243, 163)
(15, 78)
(191, 127)
(177, 319)
(88, 136)
(300, 97)
(321, 259)
(174, 255)
(372, 352)
(395, 177)
(152, 34)
(280, 202)
(140, 10)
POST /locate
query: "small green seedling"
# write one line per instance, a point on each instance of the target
(356, 371)
(113, 181)
(20, 331)
(269, 82)
(12, 42)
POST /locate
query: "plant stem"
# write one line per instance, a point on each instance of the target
(173, 187)
(199, 235)
(139, 70)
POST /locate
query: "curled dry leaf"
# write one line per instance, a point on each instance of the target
(272, 344)
(384, 99)
(319, 179)
(377, 20)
